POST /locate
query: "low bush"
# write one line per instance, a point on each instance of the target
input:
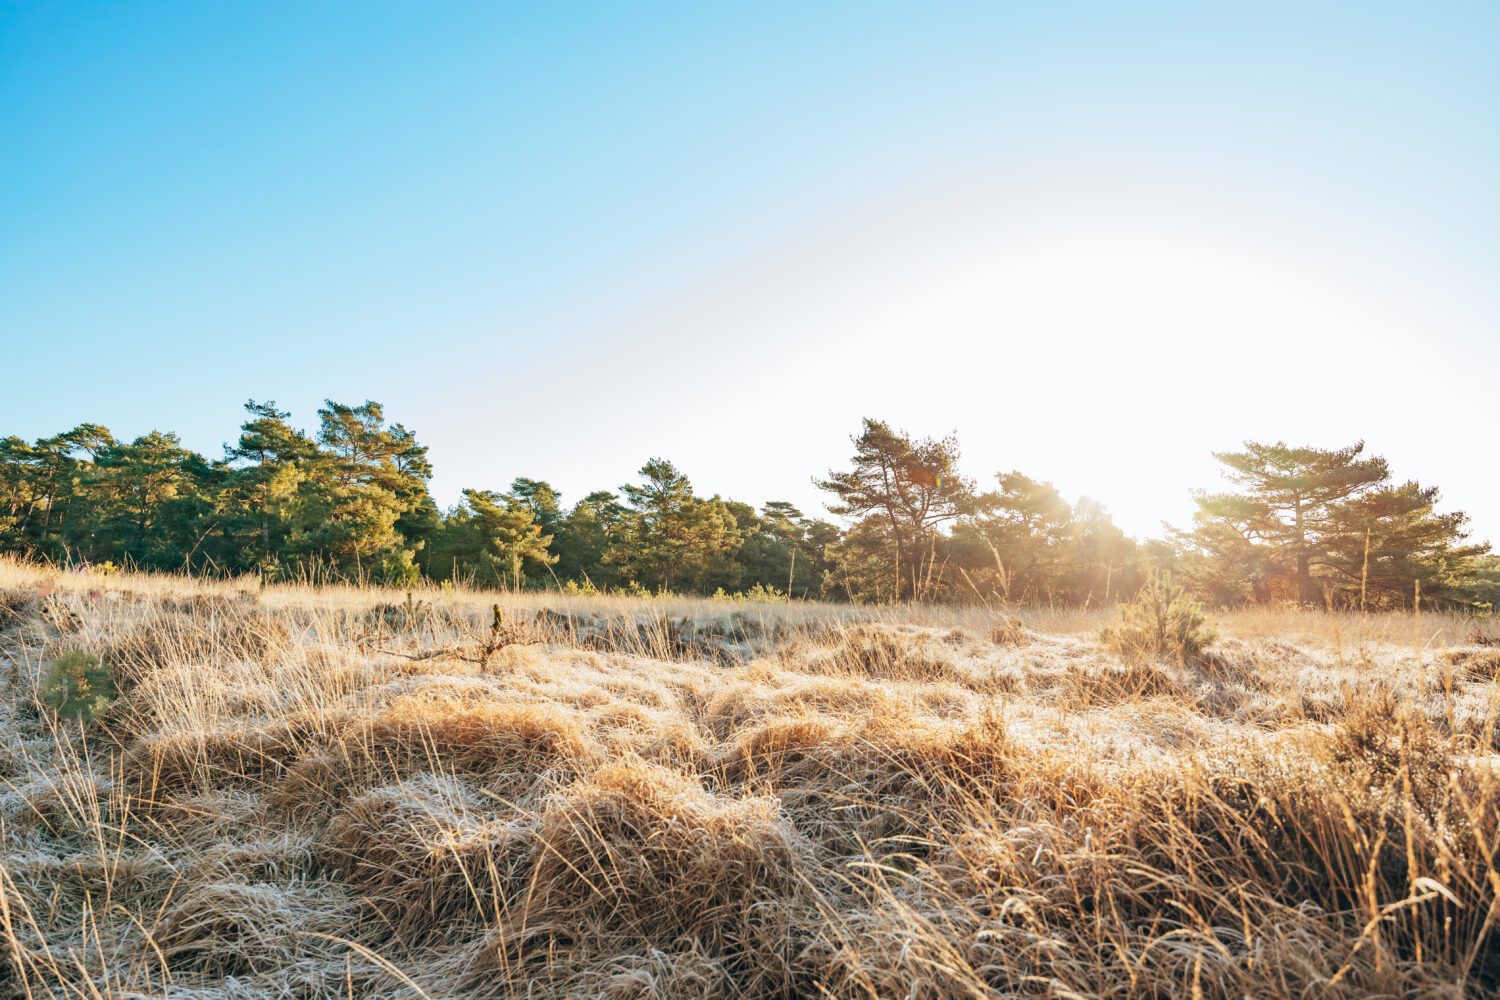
(1162, 622)
(78, 686)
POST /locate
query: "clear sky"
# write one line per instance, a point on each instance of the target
(1097, 240)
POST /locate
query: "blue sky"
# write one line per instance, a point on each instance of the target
(1096, 240)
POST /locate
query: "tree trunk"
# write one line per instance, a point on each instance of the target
(1304, 575)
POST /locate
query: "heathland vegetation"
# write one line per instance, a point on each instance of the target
(350, 502)
(241, 789)
(357, 746)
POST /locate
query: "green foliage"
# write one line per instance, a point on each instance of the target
(780, 549)
(760, 593)
(669, 538)
(1026, 544)
(540, 499)
(1326, 526)
(862, 563)
(1163, 622)
(1383, 541)
(78, 686)
(1287, 506)
(909, 486)
(350, 502)
(585, 537)
(495, 538)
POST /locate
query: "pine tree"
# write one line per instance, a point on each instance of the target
(1381, 544)
(270, 459)
(363, 508)
(1285, 504)
(1026, 543)
(493, 540)
(669, 537)
(41, 482)
(585, 537)
(780, 548)
(538, 496)
(150, 498)
(860, 563)
(912, 486)
(1014, 544)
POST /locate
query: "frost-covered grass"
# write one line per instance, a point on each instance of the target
(341, 793)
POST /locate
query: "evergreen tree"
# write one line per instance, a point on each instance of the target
(780, 549)
(1482, 587)
(1382, 544)
(815, 563)
(538, 496)
(21, 493)
(1286, 502)
(1014, 544)
(363, 508)
(860, 563)
(1026, 544)
(1102, 562)
(41, 482)
(348, 531)
(352, 503)
(912, 486)
(671, 538)
(1222, 558)
(150, 498)
(492, 540)
(273, 460)
(585, 538)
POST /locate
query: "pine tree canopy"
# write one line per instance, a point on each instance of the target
(351, 502)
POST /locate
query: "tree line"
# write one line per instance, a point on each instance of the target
(350, 501)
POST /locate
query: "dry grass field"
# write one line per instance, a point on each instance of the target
(346, 793)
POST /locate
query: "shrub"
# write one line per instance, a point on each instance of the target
(1163, 621)
(78, 686)
(760, 592)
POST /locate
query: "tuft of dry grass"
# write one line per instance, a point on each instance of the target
(325, 793)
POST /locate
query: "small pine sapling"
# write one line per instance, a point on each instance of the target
(1162, 622)
(78, 686)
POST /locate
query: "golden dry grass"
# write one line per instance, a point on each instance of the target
(325, 793)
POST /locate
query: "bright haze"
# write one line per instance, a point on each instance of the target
(1097, 241)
